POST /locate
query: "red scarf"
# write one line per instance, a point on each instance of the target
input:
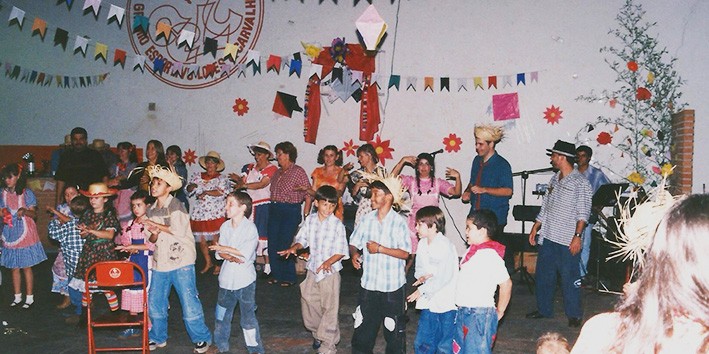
(498, 247)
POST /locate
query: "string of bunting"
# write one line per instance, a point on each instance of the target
(40, 78)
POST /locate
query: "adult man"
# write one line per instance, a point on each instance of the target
(490, 185)
(79, 165)
(383, 237)
(565, 210)
(596, 178)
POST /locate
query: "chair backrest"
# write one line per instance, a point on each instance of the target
(116, 273)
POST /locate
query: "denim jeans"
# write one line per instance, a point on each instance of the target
(435, 332)
(474, 328)
(183, 279)
(556, 258)
(75, 298)
(585, 249)
(226, 302)
(283, 221)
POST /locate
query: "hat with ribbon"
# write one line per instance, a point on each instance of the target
(214, 155)
(263, 146)
(563, 148)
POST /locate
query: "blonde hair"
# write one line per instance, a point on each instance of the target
(489, 132)
(552, 343)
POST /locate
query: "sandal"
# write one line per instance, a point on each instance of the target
(16, 303)
(286, 284)
(27, 306)
(272, 281)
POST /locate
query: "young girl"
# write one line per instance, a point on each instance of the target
(134, 240)
(60, 283)
(119, 171)
(97, 226)
(359, 186)
(329, 174)
(19, 232)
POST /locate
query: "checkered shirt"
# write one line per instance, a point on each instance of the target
(568, 200)
(325, 239)
(70, 242)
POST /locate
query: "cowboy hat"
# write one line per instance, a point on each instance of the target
(99, 190)
(215, 155)
(263, 146)
(166, 174)
(99, 145)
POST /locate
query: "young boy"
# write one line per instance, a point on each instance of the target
(237, 279)
(436, 270)
(63, 229)
(173, 262)
(482, 270)
(383, 237)
(325, 234)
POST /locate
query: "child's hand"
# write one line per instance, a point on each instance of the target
(287, 252)
(422, 279)
(374, 247)
(231, 258)
(325, 267)
(414, 296)
(216, 247)
(357, 260)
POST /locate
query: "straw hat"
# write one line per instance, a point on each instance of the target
(393, 183)
(261, 145)
(212, 154)
(99, 190)
(99, 145)
(166, 174)
(489, 132)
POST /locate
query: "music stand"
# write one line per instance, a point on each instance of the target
(525, 213)
(605, 196)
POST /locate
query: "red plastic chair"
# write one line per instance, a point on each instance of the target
(116, 275)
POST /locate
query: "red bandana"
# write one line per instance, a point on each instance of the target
(498, 247)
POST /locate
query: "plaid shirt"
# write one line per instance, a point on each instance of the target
(283, 184)
(382, 272)
(325, 238)
(70, 242)
(568, 201)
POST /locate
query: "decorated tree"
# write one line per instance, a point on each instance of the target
(646, 95)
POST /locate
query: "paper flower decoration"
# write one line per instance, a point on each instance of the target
(452, 143)
(650, 78)
(190, 157)
(350, 148)
(552, 115)
(632, 66)
(604, 138)
(636, 178)
(612, 102)
(643, 94)
(312, 50)
(241, 106)
(339, 50)
(382, 148)
(667, 169)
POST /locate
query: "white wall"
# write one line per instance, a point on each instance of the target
(560, 39)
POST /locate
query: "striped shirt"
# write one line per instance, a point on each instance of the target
(325, 238)
(568, 201)
(382, 272)
(70, 241)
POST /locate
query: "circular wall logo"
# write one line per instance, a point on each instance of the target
(234, 22)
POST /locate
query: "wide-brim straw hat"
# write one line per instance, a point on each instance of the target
(261, 145)
(99, 190)
(212, 154)
(99, 145)
(395, 186)
(169, 175)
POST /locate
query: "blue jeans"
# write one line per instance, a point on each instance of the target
(585, 249)
(435, 332)
(226, 302)
(183, 279)
(556, 258)
(283, 221)
(75, 298)
(480, 323)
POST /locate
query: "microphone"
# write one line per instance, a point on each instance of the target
(436, 152)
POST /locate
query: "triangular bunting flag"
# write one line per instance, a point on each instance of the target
(273, 64)
(240, 70)
(186, 38)
(176, 67)
(411, 83)
(210, 69)
(40, 79)
(61, 37)
(138, 62)
(337, 74)
(119, 57)
(295, 67)
(534, 76)
(253, 58)
(93, 5)
(231, 51)
(492, 81)
(82, 81)
(80, 44)
(33, 76)
(508, 81)
(39, 27)
(428, 83)
(210, 46)
(462, 84)
(225, 69)
(117, 13)
(101, 52)
(356, 76)
(394, 80)
(478, 83)
(158, 65)
(141, 23)
(521, 79)
(16, 15)
(315, 69)
(162, 30)
(445, 83)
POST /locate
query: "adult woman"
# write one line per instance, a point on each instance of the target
(667, 310)
(424, 188)
(256, 180)
(288, 191)
(359, 187)
(119, 172)
(173, 154)
(207, 216)
(329, 174)
(154, 155)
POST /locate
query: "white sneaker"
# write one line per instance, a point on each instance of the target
(152, 345)
(201, 347)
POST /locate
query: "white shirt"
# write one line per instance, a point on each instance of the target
(478, 279)
(440, 259)
(244, 237)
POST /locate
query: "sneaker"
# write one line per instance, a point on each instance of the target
(201, 347)
(130, 333)
(153, 346)
(213, 349)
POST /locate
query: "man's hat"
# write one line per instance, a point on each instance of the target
(563, 148)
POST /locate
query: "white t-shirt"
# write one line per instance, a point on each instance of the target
(478, 279)
(440, 259)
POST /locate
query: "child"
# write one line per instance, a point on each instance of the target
(173, 262)
(134, 240)
(64, 230)
(436, 268)
(60, 280)
(22, 249)
(482, 269)
(237, 279)
(552, 343)
(98, 225)
(325, 234)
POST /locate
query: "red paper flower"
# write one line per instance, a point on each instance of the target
(552, 115)
(604, 138)
(612, 102)
(657, 170)
(632, 66)
(350, 148)
(382, 148)
(241, 106)
(643, 94)
(452, 143)
(190, 157)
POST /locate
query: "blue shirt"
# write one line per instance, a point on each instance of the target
(496, 173)
(325, 238)
(595, 177)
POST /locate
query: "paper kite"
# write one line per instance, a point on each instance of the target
(452, 143)
(241, 106)
(371, 28)
(505, 106)
(285, 104)
(553, 114)
(190, 157)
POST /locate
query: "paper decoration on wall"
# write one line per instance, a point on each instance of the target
(80, 44)
(40, 78)
(61, 37)
(612, 102)
(452, 143)
(394, 80)
(241, 106)
(284, 104)
(93, 5)
(273, 64)
(445, 83)
(312, 50)
(311, 109)
(210, 47)
(140, 24)
(350, 148)
(632, 66)
(553, 114)
(636, 178)
(16, 16)
(119, 57)
(117, 13)
(338, 50)
(411, 83)
(647, 132)
(39, 27)
(101, 52)
(604, 138)
(296, 65)
(650, 78)
(505, 106)
(253, 59)
(382, 148)
(371, 28)
(344, 87)
(190, 157)
(428, 83)
(643, 94)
